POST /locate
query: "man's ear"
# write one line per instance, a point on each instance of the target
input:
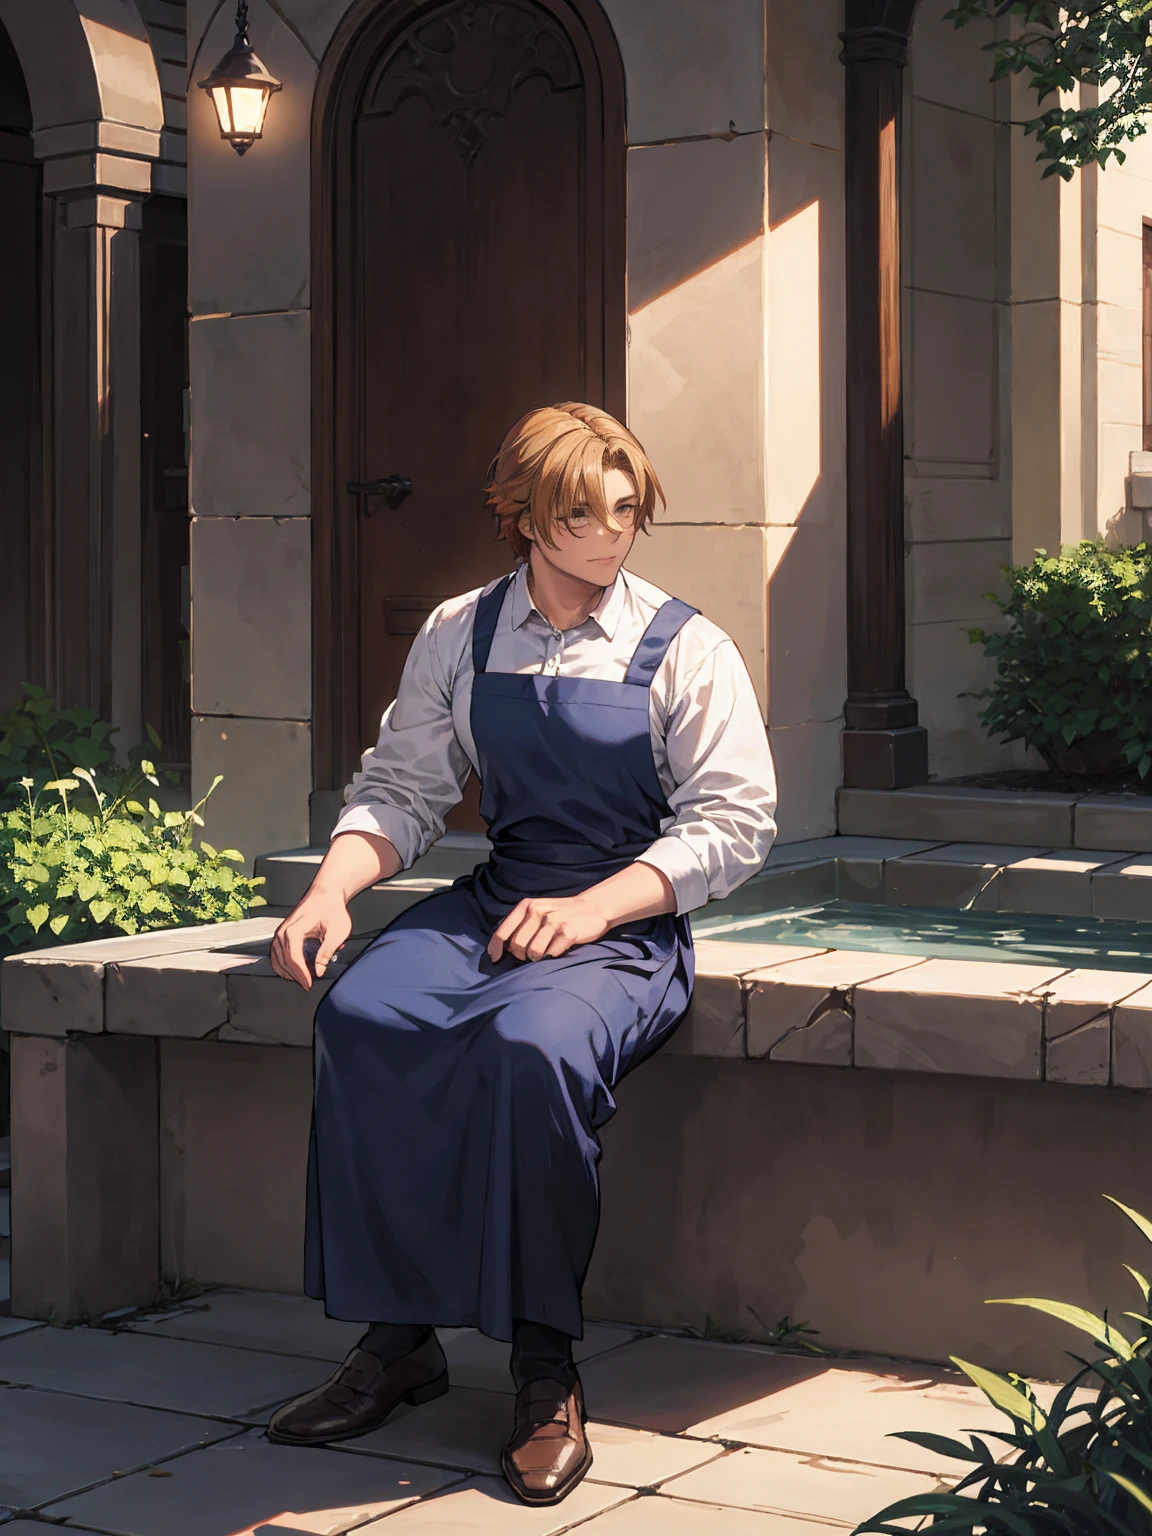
(524, 524)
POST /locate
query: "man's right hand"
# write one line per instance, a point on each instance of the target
(323, 917)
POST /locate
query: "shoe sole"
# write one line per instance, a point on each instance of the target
(555, 1495)
(414, 1399)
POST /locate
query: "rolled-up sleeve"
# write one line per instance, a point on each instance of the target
(724, 798)
(416, 772)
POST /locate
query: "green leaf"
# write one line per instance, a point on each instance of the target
(58, 924)
(135, 807)
(101, 910)
(208, 851)
(1095, 1327)
(1141, 1222)
(1131, 1488)
(36, 916)
(154, 809)
(1004, 1395)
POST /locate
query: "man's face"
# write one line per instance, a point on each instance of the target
(585, 548)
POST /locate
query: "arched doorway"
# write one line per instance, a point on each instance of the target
(19, 377)
(469, 265)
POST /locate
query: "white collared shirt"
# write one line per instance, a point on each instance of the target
(708, 738)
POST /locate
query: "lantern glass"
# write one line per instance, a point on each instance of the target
(249, 104)
(240, 88)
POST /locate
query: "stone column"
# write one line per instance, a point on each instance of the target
(92, 355)
(884, 746)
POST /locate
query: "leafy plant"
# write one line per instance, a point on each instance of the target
(40, 742)
(1083, 1468)
(1074, 664)
(119, 866)
(1103, 44)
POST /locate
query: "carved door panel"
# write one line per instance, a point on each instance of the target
(477, 169)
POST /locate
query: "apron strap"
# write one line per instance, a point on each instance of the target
(666, 624)
(484, 623)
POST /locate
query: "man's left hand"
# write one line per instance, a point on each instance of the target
(548, 925)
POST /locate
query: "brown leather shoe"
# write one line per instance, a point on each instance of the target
(548, 1453)
(360, 1396)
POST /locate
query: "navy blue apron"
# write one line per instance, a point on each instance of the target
(453, 1163)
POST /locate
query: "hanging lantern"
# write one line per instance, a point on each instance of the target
(240, 88)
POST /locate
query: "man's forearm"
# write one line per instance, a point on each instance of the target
(638, 891)
(354, 861)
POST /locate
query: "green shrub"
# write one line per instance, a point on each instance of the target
(40, 742)
(105, 866)
(1074, 664)
(1083, 1468)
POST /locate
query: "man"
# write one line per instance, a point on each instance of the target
(466, 1060)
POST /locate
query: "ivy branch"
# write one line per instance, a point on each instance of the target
(1105, 45)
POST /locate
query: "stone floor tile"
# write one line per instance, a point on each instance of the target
(640, 1458)
(10, 1325)
(283, 1325)
(156, 1373)
(847, 1411)
(474, 1360)
(246, 1483)
(52, 1444)
(465, 1428)
(666, 1384)
(485, 1506)
(729, 957)
(660, 1516)
(836, 1491)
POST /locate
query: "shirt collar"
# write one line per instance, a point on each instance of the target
(606, 614)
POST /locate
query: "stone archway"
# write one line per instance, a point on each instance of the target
(97, 115)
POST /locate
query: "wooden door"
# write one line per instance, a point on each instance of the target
(478, 272)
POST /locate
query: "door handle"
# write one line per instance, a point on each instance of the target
(393, 488)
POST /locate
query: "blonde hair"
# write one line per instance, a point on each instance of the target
(553, 460)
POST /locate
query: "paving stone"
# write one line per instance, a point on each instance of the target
(181, 994)
(666, 1384)
(52, 1444)
(951, 875)
(245, 1483)
(1124, 890)
(1078, 1024)
(154, 1372)
(971, 1017)
(264, 1009)
(474, 1360)
(803, 1011)
(640, 1458)
(815, 1486)
(1123, 822)
(1058, 881)
(1132, 1041)
(284, 1325)
(662, 1516)
(465, 1429)
(950, 813)
(484, 1505)
(848, 1411)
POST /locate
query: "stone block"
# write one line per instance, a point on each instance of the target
(233, 1156)
(807, 761)
(249, 245)
(84, 1176)
(792, 886)
(1060, 881)
(251, 617)
(375, 908)
(264, 1009)
(805, 86)
(959, 815)
(251, 415)
(952, 211)
(1124, 890)
(952, 875)
(1078, 1024)
(721, 571)
(804, 1011)
(696, 388)
(262, 803)
(182, 994)
(41, 994)
(958, 1016)
(806, 623)
(1132, 1041)
(714, 1023)
(805, 343)
(1123, 822)
(939, 508)
(953, 378)
(722, 181)
(948, 66)
(162, 941)
(949, 582)
(693, 66)
(945, 668)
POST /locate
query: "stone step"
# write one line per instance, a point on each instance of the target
(288, 874)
